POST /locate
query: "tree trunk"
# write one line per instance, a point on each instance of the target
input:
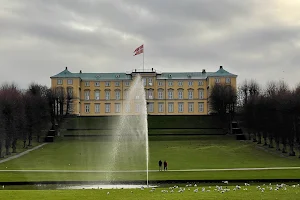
(271, 143)
(249, 135)
(292, 152)
(254, 137)
(30, 138)
(259, 138)
(284, 146)
(265, 141)
(14, 146)
(7, 149)
(277, 144)
(24, 144)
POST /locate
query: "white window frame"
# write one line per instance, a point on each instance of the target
(200, 108)
(97, 84)
(170, 94)
(190, 94)
(127, 83)
(190, 83)
(97, 107)
(87, 95)
(190, 107)
(87, 84)
(150, 81)
(150, 94)
(160, 107)
(151, 107)
(126, 94)
(180, 107)
(117, 107)
(180, 94)
(200, 83)
(118, 94)
(170, 107)
(170, 83)
(137, 108)
(107, 108)
(70, 91)
(127, 107)
(180, 83)
(107, 83)
(117, 83)
(87, 108)
(107, 95)
(59, 81)
(228, 80)
(217, 80)
(160, 83)
(144, 80)
(70, 81)
(97, 94)
(160, 94)
(201, 93)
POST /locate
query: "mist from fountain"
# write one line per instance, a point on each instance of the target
(130, 149)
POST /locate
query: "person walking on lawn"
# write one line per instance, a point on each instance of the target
(165, 166)
(160, 165)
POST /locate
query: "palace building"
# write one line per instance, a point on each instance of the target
(167, 93)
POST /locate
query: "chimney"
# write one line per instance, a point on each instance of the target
(221, 67)
(80, 71)
(203, 71)
(66, 68)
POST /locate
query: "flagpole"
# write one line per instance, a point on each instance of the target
(143, 58)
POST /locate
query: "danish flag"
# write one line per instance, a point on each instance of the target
(139, 50)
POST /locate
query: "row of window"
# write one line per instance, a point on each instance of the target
(149, 83)
(149, 94)
(150, 107)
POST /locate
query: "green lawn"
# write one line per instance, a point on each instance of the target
(193, 152)
(251, 193)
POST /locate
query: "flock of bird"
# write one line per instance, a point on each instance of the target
(221, 189)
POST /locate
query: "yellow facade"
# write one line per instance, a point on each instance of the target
(104, 94)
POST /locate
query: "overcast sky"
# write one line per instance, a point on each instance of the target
(255, 39)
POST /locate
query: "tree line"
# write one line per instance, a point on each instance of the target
(29, 114)
(270, 115)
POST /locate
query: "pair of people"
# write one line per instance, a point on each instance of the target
(165, 165)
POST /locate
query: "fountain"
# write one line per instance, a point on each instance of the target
(130, 150)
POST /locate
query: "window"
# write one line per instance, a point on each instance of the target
(180, 94)
(201, 94)
(117, 93)
(87, 95)
(150, 81)
(97, 84)
(170, 83)
(127, 108)
(180, 107)
(59, 82)
(126, 94)
(97, 107)
(191, 94)
(87, 84)
(144, 81)
(200, 107)
(200, 83)
(217, 80)
(170, 107)
(160, 83)
(150, 94)
(127, 83)
(180, 83)
(117, 107)
(137, 107)
(160, 107)
(228, 80)
(107, 107)
(107, 95)
(97, 94)
(150, 107)
(70, 92)
(160, 94)
(70, 108)
(191, 107)
(170, 94)
(70, 82)
(117, 84)
(107, 84)
(190, 83)
(87, 108)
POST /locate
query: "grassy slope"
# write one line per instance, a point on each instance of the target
(251, 193)
(191, 153)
